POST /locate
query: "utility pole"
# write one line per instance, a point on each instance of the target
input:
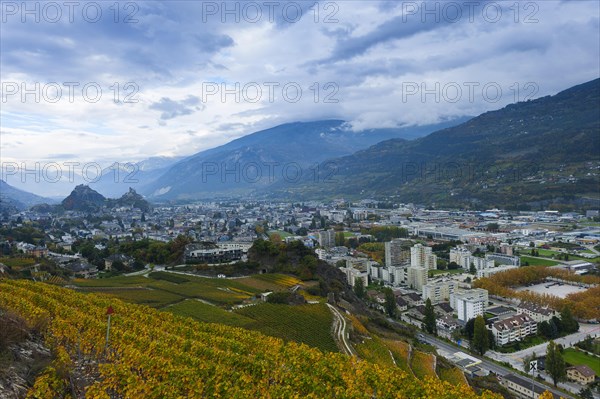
(110, 311)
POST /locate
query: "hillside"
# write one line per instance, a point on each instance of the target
(535, 152)
(258, 159)
(13, 198)
(154, 354)
(85, 199)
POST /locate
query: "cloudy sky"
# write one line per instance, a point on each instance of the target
(96, 82)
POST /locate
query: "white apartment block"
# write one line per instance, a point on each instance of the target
(395, 255)
(469, 304)
(353, 274)
(417, 277)
(503, 259)
(536, 312)
(326, 238)
(464, 258)
(514, 328)
(439, 291)
(461, 256)
(422, 256)
(493, 270)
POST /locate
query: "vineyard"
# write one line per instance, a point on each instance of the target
(208, 313)
(155, 354)
(170, 288)
(308, 324)
(422, 364)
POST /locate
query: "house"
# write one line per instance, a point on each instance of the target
(513, 329)
(124, 259)
(413, 299)
(82, 268)
(521, 387)
(536, 312)
(443, 309)
(446, 326)
(581, 374)
(418, 312)
(401, 303)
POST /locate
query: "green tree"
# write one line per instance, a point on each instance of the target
(339, 239)
(480, 342)
(359, 288)
(492, 226)
(555, 363)
(453, 266)
(472, 269)
(429, 321)
(390, 302)
(586, 393)
(568, 323)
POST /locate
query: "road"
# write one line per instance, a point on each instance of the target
(340, 330)
(486, 363)
(516, 358)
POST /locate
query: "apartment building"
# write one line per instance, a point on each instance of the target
(396, 253)
(469, 304)
(422, 256)
(514, 328)
(503, 259)
(439, 291)
(417, 277)
(536, 312)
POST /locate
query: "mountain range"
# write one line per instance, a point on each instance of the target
(258, 159)
(12, 199)
(527, 154)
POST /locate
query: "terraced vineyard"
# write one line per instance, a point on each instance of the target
(208, 313)
(422, 364)
(309, 324)
(155, 354)
(172, 287)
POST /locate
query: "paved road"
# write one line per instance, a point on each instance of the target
(486, 363)
(516, 358)
(340, 330)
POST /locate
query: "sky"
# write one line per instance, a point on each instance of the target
(123, 81)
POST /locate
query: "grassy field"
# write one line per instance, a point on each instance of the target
(576, 358)
(309, 324)
(208, 313)
(537, 261)
(282, 234)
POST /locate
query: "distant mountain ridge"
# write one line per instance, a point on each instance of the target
(257, 159)
(15, 199)
(537, 151)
